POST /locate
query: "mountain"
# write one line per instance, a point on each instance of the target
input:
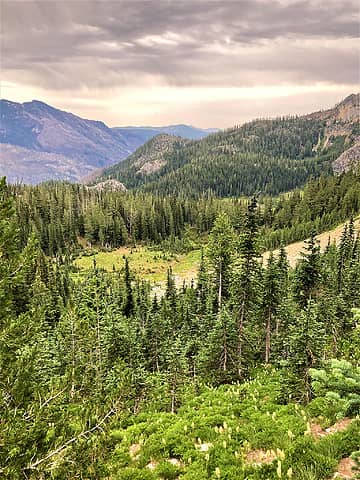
(346, 111)
(270, 156)
(342, 126)
(344, 121)
(143, 134)
(39, 142)
(146, 161)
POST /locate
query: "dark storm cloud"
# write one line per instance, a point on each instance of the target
(211, 43)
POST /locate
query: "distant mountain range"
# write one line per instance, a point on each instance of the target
(143, 134)
(39, 142)
(270, 156)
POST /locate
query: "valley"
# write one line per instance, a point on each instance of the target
(179, 240)
(152, 265)
(147, 331)
(148, 264)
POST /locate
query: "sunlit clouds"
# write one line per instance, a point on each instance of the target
(206, 63)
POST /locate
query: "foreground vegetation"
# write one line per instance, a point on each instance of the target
(237, 432)
(102, 379)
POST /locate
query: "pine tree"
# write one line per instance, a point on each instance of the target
(247, 279)
(221, 249)
(308, 272)
(128, 307)
(270, 301)
(306, 345)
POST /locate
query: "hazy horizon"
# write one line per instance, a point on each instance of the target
(209, 64)
(189, 124)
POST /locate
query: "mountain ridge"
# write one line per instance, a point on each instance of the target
(268, 155)
(40, 142)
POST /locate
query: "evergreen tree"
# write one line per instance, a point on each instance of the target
(247, 280)
(306, 345)
(128, 307)
(308, 272)
(271, 299)
(221, 249)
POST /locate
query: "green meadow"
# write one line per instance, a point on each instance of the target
(148, 264)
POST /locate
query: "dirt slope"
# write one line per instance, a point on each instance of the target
(294, 249)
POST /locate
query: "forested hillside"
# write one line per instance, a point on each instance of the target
(270, 156)
(64, 215)
(146, 161)
(233, 378)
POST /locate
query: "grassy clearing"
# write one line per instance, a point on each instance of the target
(148, 264)
(152, 265)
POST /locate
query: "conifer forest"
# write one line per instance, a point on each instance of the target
(249, 371)
(179, 240)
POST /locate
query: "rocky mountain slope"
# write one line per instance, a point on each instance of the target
(346, 111)
(264, 155)
(342, 125)
(39, 142)
(110, 185)
(346, 123)
(146, 161)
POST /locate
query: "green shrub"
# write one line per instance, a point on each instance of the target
(167, 471)
(339, 383)
(135, 474)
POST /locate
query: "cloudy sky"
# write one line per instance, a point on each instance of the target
(202, 62)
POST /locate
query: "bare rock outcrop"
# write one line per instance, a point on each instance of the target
(350, 159)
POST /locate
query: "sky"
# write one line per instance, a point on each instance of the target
(207, 63)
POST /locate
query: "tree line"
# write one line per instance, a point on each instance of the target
(64, 216)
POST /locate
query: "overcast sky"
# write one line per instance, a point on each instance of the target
(201, 62)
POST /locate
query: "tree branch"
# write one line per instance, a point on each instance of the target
(62, 447)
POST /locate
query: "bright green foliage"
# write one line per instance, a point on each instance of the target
(216, 434)
(339, 384)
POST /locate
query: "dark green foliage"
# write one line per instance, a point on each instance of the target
(61, 215)
(92, 364)
(264, 155)
(307, 275)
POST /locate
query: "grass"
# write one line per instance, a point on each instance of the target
(152, 265)
(148, 264)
